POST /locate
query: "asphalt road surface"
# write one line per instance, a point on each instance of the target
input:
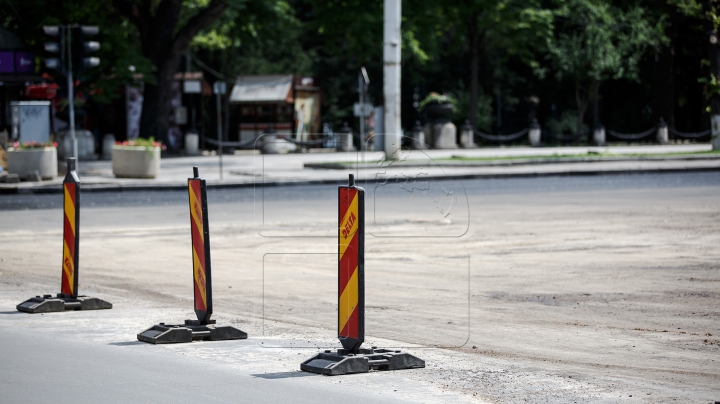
(549, 289)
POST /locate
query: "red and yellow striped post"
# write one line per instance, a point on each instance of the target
(200, 232)
(71, 231)
(351, 266)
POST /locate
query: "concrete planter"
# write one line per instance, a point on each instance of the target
(43, 160)
(135, 161)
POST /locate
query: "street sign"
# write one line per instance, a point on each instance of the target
(358, 111)
(219, 87)
(192, 86)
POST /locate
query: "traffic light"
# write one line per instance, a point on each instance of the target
(82, 47)
(55, 63)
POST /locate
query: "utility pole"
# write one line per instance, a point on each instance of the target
(391, 78)
(71, 96)
(219, 88)
(363, 82)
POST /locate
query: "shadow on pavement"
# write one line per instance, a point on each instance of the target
(283, 375)
(126, 343)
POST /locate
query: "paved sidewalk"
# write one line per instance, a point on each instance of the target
(308, 168)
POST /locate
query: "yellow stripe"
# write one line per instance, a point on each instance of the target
(348, 300)
(69, 209)
(347, 238)
(196, 272)
(196, 213)
(68, 265)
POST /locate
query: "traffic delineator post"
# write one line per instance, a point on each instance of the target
(351, 267)
(68, 298)
(203, 328)
(351, 299)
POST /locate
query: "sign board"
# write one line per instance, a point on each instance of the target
(30, 121)
(7, 62)
(192, 86)
(180, 116)
(219, 87)
(24, 62)
(365, 111)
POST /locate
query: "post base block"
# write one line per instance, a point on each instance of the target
(62, 302)
(344, 362)
(191, 331)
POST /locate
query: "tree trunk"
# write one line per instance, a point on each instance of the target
(156, 110)
(474, 64)
(582, 104)
(163, 43)
(664, 86)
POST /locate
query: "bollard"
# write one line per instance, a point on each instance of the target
(68, 298)
(418, 137)
(599, 135)
(71, 230)
(535, 134)
(108, 141)
(662, 132)
(200, 235)
(351, 299)
(203, 328)
(467, 136)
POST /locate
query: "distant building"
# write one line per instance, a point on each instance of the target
(289, 105)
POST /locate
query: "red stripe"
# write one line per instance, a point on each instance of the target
(71, 190)
(69, 239)
(199, 305)
(346, 196)
(66, 288)
(195, 187)
(68, 236)
(197, 244)
(348, 263)
(351, 329)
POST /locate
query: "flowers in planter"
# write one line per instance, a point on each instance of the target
(148, 143)
(434, 97)
(33, 145)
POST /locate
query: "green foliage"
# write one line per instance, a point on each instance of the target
(711, 86)
(255, 38)
(462, 108)
(597, 41)
(435, 97)
(566, 124)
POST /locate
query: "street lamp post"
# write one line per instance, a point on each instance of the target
(219, 88)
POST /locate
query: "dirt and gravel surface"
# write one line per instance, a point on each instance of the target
(582, 289)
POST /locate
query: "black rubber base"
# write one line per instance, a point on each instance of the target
(191, 331)
(343, 362)
(49, 304)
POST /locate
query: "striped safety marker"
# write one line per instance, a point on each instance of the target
(71, 230)
(197, 192)
(351, 266)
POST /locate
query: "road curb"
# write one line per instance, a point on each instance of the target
(98, 188)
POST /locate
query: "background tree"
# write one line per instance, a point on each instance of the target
(496, 32)
(165, 30)
(596, 41)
